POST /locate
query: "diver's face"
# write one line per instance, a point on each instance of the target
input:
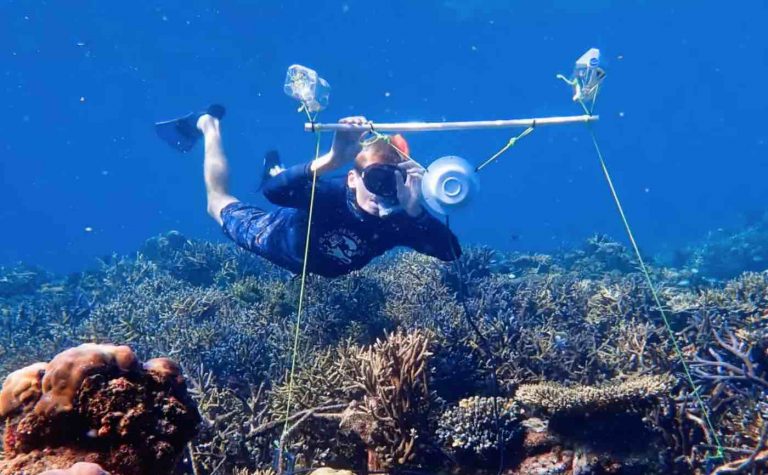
(366, 200)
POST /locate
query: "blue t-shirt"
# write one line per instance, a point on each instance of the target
(343, 237)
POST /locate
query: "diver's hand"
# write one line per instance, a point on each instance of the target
(409, 193)
(346, 146)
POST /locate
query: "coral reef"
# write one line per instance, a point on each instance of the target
(396, 363)
(724, 254)
(100, 404)
(20, 280)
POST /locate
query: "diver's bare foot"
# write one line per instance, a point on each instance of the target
(207, 124)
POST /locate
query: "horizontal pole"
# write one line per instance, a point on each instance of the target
(441, 126)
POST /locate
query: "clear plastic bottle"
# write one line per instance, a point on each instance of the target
(304, 85)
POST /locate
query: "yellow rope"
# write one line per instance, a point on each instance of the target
(509, 145)
(297, 330)
(699, 401)
(644, 268)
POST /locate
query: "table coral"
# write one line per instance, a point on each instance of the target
(554, 398)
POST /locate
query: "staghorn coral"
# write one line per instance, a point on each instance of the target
(554, 398)
(235, 432)
(196, 326)
(100, 404)
(470, 430)
(202, 263)
(327, 379)
(393, 413)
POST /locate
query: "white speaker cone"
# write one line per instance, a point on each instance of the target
(449, 183)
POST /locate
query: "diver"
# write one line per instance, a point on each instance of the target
(375, 207)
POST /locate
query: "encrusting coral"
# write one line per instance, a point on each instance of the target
(100, 404)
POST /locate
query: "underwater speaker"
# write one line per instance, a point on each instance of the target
(449, 184)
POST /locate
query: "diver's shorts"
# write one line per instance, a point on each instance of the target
(273, 235)
(243, 223)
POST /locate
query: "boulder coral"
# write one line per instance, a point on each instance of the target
(100, 405)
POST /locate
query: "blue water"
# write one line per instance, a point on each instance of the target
(682, 112)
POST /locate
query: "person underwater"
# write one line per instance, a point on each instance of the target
(374, 208)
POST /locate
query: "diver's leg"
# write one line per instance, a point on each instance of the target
(215, 168)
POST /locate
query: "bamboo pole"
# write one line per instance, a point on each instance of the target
(443, 126)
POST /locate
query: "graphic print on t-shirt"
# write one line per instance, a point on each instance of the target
(342, 245)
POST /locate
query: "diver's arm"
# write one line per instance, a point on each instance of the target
(326, 163)
(428, 235)
(345, 147)
(292, 187)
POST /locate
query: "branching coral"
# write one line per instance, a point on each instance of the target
(202, 263)
(732, 362)
(236, 430)
(470, 428)
(325, 383)
(393, 414)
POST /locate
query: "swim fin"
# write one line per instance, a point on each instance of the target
(182, 133)
(272, 166)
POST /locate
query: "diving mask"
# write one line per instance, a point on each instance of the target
(381, 179)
